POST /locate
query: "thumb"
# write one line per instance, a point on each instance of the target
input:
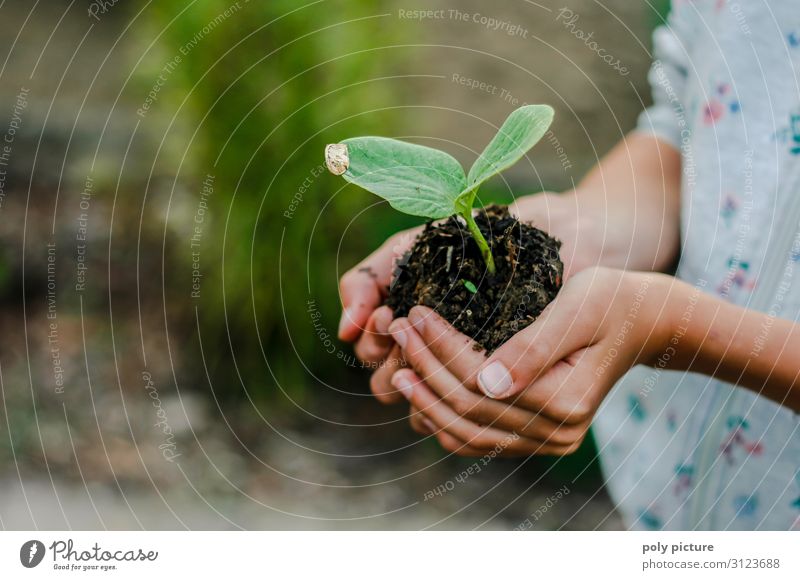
(362, 287)
(530, 353)
(360, 297)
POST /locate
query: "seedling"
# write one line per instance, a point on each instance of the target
(470, 286)
(426, 182)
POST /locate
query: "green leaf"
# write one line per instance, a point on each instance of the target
(414, 179)
(521, 131)
(470, 286)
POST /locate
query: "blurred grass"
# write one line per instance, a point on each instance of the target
(266, 89)
(259, 97)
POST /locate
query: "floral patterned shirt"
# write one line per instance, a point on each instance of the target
(682, 450)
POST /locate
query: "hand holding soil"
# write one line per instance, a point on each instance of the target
(490, 276)
(364, 287)
(550, 378)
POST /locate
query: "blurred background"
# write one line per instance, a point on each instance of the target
(170, 248)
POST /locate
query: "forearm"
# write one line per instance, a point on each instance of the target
(636, 190)
(745, 347)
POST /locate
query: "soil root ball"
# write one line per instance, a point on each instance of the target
(444, 270)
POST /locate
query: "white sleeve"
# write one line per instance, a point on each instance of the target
(665, 118)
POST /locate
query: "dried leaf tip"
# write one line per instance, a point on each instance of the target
(337, 158)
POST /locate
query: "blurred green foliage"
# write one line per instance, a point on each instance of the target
(265, 89)
(260, 88)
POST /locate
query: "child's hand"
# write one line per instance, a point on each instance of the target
(551, 377)
(365, 321)
(450, 363)
(363, 287)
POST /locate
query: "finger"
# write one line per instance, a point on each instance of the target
(456, 351)
(363, 287)
(416, 353)
(556, 334)
(534, 208)
(380, 383)
(475, 406)
(567, 392)
(420, 423)
(375, 342)
(484, 438)
(360, 297)
(456, 446)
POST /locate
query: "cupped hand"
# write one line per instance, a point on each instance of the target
(365, 322)
(363, 288)
(546, 383)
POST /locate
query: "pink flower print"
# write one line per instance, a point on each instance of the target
(736, 439)
(712, 112)
(736, 277)
(683, 479)
(728, 209)
(672, 419)
(723, 89)
(723, 100)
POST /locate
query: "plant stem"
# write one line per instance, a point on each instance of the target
(486, 251)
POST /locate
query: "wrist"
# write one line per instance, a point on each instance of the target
(656, 313)
(633, 234)
(674, 307)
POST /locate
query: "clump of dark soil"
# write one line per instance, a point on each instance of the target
(444, 270)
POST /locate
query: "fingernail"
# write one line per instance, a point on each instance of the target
(382, 322)
(429, 425)
(400, 337)
(403, 385)
(417, 319)
(347, 319)
(495, 380)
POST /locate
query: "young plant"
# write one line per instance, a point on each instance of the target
(426, 182)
